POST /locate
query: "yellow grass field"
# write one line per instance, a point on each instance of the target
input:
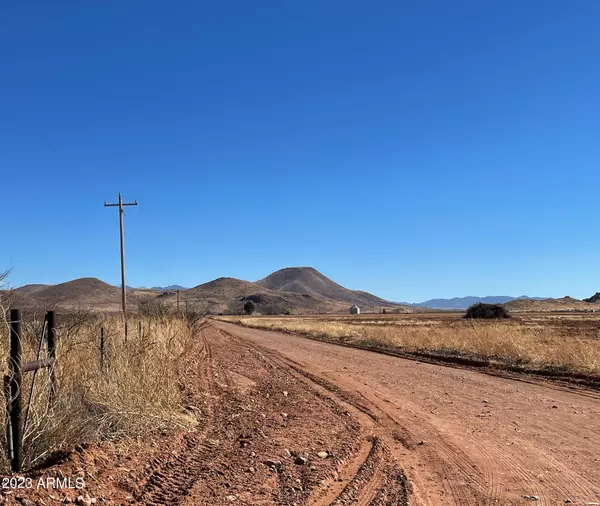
(565, 342)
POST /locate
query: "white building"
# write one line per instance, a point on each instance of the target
(354, 309)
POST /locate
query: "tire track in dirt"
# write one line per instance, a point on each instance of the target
(463, 437)
(366, 482)
(375, 477)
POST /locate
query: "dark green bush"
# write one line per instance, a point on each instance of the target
(482, 310)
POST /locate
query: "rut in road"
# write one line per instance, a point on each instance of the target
(463, 437)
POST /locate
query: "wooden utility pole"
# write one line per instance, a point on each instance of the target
(121, 205)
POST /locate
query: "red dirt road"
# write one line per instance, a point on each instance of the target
(461, 437)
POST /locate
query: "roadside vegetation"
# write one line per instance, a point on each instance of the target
(507, 343)
(136, 392)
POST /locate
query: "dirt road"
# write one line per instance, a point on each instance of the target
(288, 421)
(461, 437)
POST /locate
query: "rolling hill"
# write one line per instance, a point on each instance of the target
(81, 292)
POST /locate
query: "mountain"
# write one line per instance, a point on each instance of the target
(466, 302)
(225, 295)
(309, 281)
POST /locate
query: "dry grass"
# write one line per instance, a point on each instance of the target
(138, 391)
(506, 342)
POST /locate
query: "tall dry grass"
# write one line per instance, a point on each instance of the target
(501, 341)
(138, 391)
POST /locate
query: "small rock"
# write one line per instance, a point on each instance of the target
(284, 415)
(272, 463)
(251, 470)
(86, 500)
(421, 443)
(25, 502)
(568, 501)
(485, 401)
(531, 497)
(287, 453)
(301, 461)
(285, 394)
(232, 498)
(322, 455)
(554, 406)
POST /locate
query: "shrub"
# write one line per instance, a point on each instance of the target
(481, 310)
(249, 307)
(150, 306)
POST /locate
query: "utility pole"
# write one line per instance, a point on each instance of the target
(120, 205)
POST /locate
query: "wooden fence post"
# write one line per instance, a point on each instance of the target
(102, 349)
(51, 336)
(15, 388)
(7, 397)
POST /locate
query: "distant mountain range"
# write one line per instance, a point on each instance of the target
(157, 288)
(465, 302)
(168, 288)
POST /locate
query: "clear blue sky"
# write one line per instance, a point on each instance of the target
(414, 149)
